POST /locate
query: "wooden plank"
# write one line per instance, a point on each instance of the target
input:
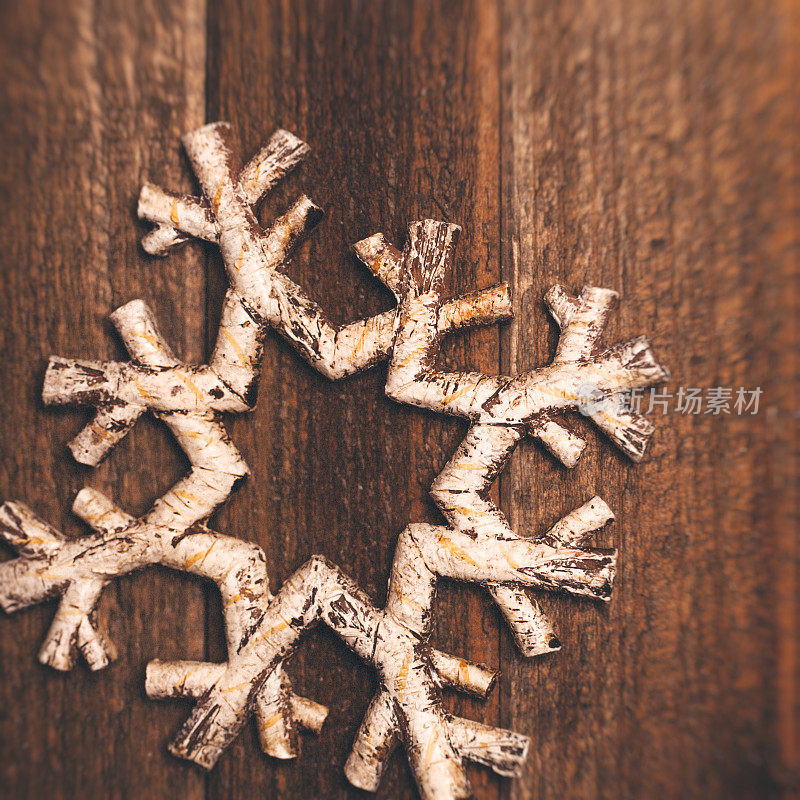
(94, 98)
(651, 148)
(400, 106)
(648, 147)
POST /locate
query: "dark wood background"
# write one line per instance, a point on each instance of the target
(648, 147)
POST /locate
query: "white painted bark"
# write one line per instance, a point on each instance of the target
(263, 630)
(504, 409)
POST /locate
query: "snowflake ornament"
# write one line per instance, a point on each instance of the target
(262, 629)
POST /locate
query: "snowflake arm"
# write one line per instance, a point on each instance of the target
(407, 707)
(504, 409)
(252, 260)
(497, 399)
(169, 533)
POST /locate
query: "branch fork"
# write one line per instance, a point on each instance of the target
(407, 708)
(253, 257)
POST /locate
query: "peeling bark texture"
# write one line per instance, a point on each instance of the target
(260, 297)
(407, 707)
(262, 631)
(504, 409)
(253, 256)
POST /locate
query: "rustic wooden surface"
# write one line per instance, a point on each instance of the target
(648, 147)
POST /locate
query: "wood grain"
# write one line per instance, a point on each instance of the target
(647, 148)
(650, 148)
(95, 95)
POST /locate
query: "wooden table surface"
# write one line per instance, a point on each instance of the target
(647, 147)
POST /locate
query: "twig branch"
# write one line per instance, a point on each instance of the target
(581, 320)
(80, 568)
(494, 399)
(253, 257)
(407, 707)
(503, 409)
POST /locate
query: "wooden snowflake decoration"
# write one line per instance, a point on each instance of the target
(263, 630)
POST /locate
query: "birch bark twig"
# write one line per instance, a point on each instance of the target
(504, 409)
(262, 631)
